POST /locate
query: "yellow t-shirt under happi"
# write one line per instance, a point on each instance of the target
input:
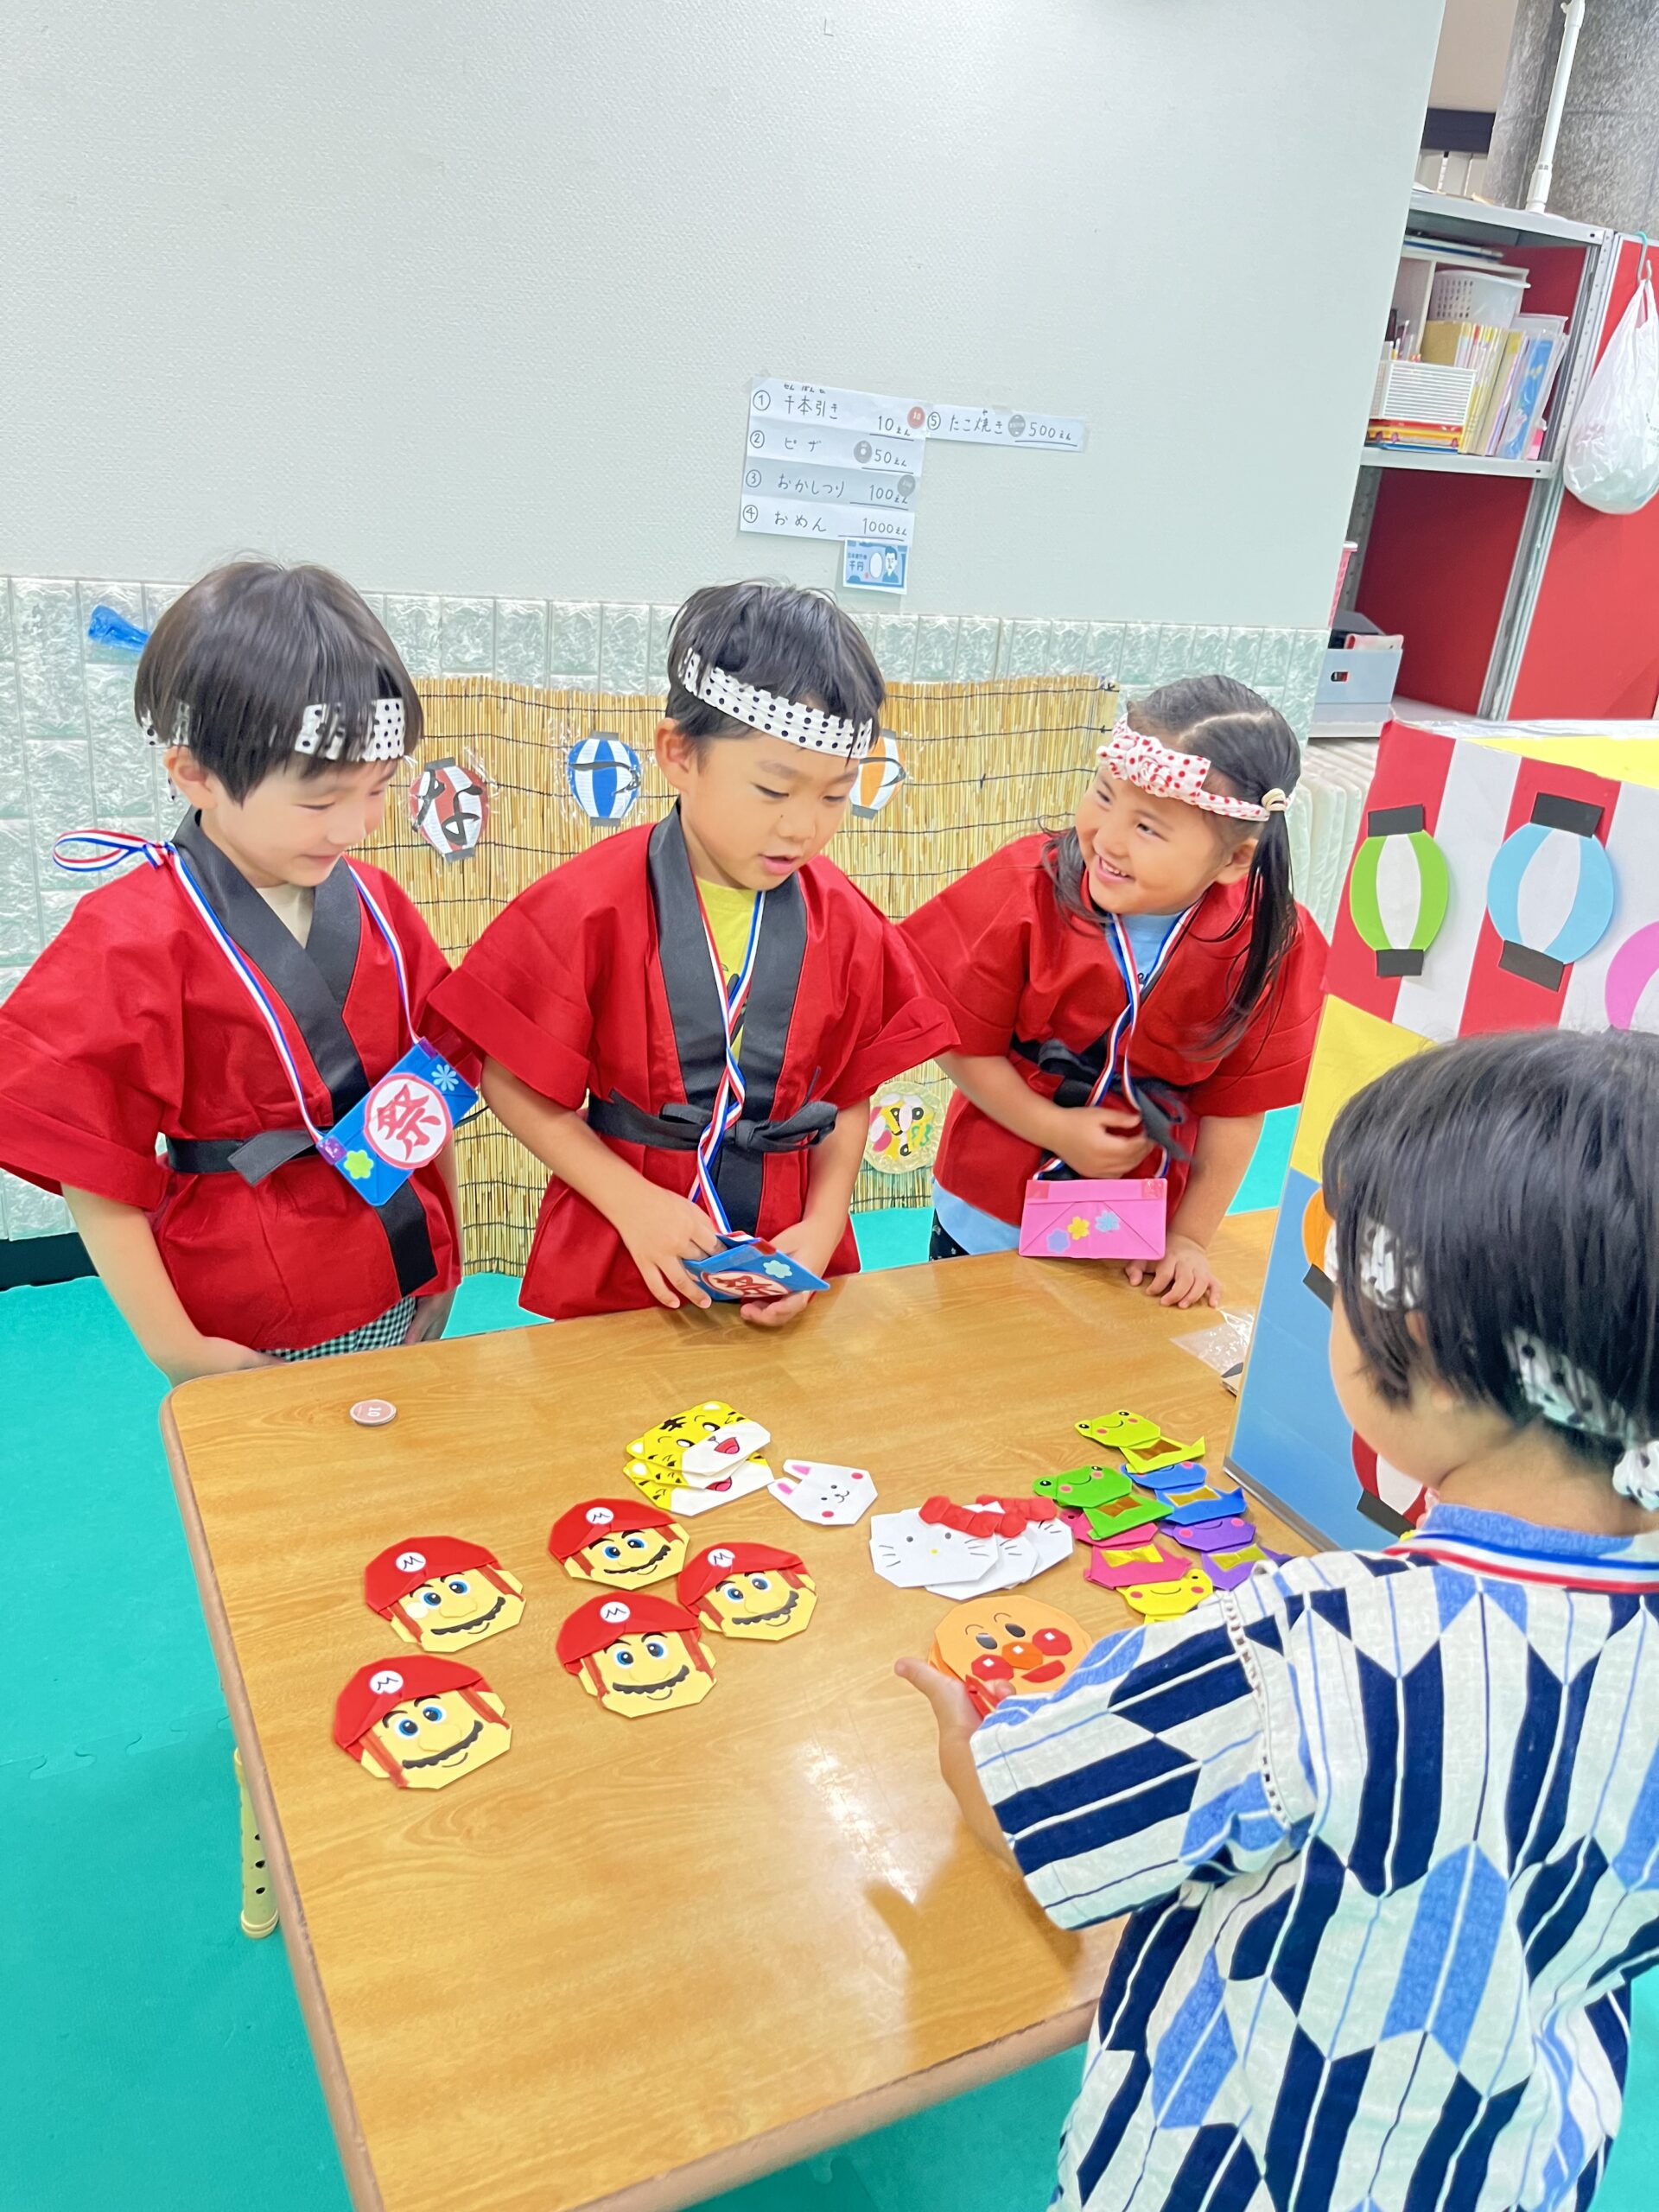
(731, 914)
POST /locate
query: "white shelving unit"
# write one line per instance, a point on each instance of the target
(1435, 215)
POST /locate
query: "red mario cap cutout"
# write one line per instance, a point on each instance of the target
(622, 1543)
(444, 1593)
(753, 1592)
(419, 1722)
(636, 1655)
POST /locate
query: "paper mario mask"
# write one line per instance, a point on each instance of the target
(636, 1656)
(1009, 1646)
(622, 1542)
(754, 1593)
(444, 1593)
(420, 1723)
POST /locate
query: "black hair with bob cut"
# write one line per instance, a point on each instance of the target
(232, 666)
(1251, 750)
(796, 644)
(1517, 1177)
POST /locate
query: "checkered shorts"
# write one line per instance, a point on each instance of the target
(374, 1336)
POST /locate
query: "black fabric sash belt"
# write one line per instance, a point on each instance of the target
(700, 1034)
(312, 981)
(1163, 1105)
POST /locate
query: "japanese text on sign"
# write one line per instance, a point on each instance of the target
(778, 400)
(807, 519)
(1006, 426)
(845, 487)
(823, 444)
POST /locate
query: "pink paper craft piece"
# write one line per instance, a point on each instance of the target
(1077, 1523)
(1126, 1539)
(1112, 1568)
(1228, 1569)
(1229, 1534)
(1064, 1220)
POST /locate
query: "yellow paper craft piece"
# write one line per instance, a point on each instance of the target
(1168, 1601)
(420, 1723)
(1165, 1454)
(753, 1592)
(1120, 1430)
(708, 1448)
(444, 1593)
(636, 1655)
(625, 1543)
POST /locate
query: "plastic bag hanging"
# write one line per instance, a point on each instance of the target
(1612, 453)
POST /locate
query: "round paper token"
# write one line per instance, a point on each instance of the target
(613, 1611)
(721, 1557)
(373, 1413)
(386, 1683)
(411, 1562)
(599, 1517)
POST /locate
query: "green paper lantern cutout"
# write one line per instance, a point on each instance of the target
(1433, 888)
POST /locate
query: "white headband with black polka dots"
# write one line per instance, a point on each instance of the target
(809, 727)
(322, 731)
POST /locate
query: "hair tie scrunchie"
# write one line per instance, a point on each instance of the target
(1637, 1475)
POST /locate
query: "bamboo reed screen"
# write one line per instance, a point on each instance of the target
(984, 763)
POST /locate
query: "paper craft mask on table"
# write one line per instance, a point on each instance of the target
(1014, 1647)
(419, 1722)
(442, 1593)
(819, 1491)
(699, 1458)
(1142, 1443)
(753, 1592)
(636, 1656)
(623, 1541)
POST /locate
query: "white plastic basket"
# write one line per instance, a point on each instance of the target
(1476, 296)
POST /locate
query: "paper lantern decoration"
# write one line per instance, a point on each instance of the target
(1318, 1235)
(905, 1126)
(1434, 886)
(448, 805)
(879, 776)
(1390, 1499)
(1591, 909)
(1633, 968)
(603, 773)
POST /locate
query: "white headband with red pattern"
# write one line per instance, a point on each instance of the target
(1151, 766)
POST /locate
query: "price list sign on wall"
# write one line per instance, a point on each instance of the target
(823, 462)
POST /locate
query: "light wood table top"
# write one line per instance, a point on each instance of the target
(628, 1966)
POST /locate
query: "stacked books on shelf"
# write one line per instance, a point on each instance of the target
(1464, 371)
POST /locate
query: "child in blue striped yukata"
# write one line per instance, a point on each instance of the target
(1386, 1824)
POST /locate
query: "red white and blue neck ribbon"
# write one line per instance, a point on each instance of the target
(729, 1095)
(95, 852)
(1115, 1067)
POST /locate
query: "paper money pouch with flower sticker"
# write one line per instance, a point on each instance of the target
(445, 1593)
(420, 1723)
(636, 1655)
(625, 1542)
(754, 1593)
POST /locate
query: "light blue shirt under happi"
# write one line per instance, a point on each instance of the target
(1388, 1825)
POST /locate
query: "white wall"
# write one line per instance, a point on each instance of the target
(1474, 48)
(466, 296)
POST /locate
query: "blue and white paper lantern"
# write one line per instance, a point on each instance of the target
(1552, 866)
(603, 774)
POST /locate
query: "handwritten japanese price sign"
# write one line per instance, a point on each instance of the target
(826, 405)
(405, 1121)
(1006, 426)
(822, 445)
(830, 522)
(842, 487)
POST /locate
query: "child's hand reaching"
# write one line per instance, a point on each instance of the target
(954, 1715)
(661, 1230)
(1183, 1277)
(1099, 1141)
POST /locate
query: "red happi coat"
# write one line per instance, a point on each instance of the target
(594, 985)
(132, 1026)
(1021, 977)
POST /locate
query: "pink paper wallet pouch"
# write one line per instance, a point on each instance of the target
(1106, 1217)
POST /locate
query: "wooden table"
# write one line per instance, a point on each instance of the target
(630, 1965)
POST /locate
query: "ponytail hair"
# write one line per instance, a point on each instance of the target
(1251, 750)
